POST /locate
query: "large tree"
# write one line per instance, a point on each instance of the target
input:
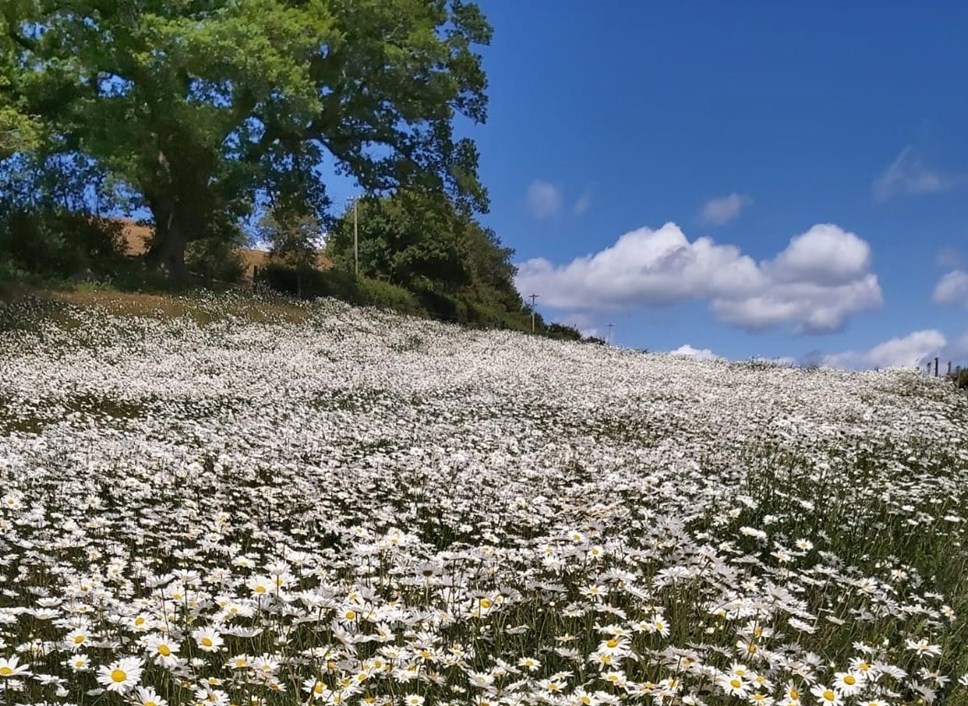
(205, 107)
(18, 131)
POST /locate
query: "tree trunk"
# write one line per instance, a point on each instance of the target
(167, 251)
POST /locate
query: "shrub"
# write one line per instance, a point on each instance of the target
(562, 332)
(962, 379)
(308, 283)
(385, 295)
(443, 306)
(61, 244)
(217, 259)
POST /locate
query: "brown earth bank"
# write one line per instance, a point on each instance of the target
(137, 237)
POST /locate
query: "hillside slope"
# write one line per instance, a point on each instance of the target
(406, 511)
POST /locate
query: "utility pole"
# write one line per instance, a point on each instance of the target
(532, 297)
(608, 336)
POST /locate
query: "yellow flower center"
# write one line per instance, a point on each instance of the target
(78, 639)
(149, 702)
(319, 688)
(260, 588)
(118, 676)
(829, 695)
(735, 683)
(350, 615)
(485, 603)
(139, 621)
(612, 643)
(794, 695)
(164, 650)
(5, 671)
(207, 642)
(849, 680)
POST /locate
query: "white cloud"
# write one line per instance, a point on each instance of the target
(544, 199)
(814, 284)
(824, 255)
(688, 351)
(724, 209)
(908, 351)
(952, 289)
(909, 176)
(950, 258)
(582, 204)
(957, 351)
(586, 324)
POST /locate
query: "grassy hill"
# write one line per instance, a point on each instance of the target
(318, 503)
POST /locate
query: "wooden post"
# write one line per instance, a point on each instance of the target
(936, 366)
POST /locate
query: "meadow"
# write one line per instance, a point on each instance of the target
(344, 506)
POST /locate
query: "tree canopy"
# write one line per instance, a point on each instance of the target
(409, 238)
(202, 109)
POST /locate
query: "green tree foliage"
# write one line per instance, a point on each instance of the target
(294, 236)
(200, 107)
(19, 132)
(423, 242)
(47, 227)
(412, 239)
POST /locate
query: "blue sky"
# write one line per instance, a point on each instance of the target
(746, 125)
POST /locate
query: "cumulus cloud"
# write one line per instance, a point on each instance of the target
(544, 199)
(586, 324)
(582, 204)
(950, 258)
(909, 176)
(952, 289)
(821, 278)
(908, 351)
(723, 209)
(687, 351)
(957, 350)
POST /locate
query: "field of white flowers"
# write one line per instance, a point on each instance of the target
(365, 509)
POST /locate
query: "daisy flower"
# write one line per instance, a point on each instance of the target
(207, 639)
(12, 668)
(77, 638)
(826, 696)
(79, 662)
(732, 684)
(848, 683)
(146, 696)
(162, 650)
(121, 675)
